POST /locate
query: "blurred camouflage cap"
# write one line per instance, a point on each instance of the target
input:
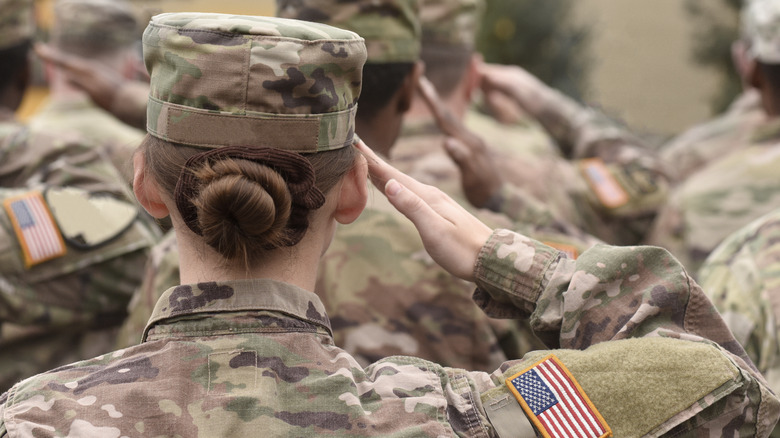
(761, 22)
(451, 22)
(391, 28)
(16, 22)
(227, 80)
(89, 27)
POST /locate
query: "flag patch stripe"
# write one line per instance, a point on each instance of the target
(555, 403)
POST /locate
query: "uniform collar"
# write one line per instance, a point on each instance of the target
(239, 296)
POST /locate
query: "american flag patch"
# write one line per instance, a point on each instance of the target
(608, 190)
(35, 228)
(555, 403)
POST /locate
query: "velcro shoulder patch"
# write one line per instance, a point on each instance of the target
(607, 189)
(35, 228)
(89, 221)
(555, 403)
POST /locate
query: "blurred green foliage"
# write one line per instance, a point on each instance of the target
(715, 27)
(540, 36)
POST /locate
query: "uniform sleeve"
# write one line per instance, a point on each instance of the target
(623, 181)
(3, 430)
(129, 104)
(608, 293)
(622, 298)
(740, 277)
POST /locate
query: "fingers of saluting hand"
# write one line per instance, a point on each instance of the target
(451, 235)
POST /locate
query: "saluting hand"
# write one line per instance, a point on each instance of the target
(451, 235)
(479, 177)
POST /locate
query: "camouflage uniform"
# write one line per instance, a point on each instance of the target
(225, 343)
(739, 277)
(736, 188)
(242, 356)
(701, 145)
(87, 28)
(613, 184)
(719, 199)
(67, 307)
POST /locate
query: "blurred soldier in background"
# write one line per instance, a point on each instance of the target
(704, 143)
(71, 258)
(105, 31)
(423, 151)
(742, 275)
(741, 185)
(62, 298)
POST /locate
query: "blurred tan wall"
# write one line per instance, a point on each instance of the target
(642, 68)
(244, 7)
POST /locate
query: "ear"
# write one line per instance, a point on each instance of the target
(353, 193)
(409, 87)
(146, 190)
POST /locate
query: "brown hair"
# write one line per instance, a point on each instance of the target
(243, 207)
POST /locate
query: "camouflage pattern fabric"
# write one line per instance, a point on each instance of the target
(391, 28)
(79, 117)
(741, 279)
(701, 145)
(721, 198)
(67, 308)
(452, 23)
(614, 183)
(298, 91)
(17, 24)
(93, 27)
(31, 159)
(225, 343)
(760, 19)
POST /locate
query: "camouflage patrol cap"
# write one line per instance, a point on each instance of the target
(93, 27)
(391, 28)
(761, 23)
(226, 80)
(16, 22)
(450, 22)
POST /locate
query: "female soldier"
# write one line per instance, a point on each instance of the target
(250, 151)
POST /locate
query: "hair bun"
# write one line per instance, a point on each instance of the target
(242, 207)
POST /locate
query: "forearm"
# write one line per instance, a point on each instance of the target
(129, 104)
(608, 293)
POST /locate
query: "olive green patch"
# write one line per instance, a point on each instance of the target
(637, 384)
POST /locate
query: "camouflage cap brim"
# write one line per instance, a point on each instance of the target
(93, 27)
(223, 80)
